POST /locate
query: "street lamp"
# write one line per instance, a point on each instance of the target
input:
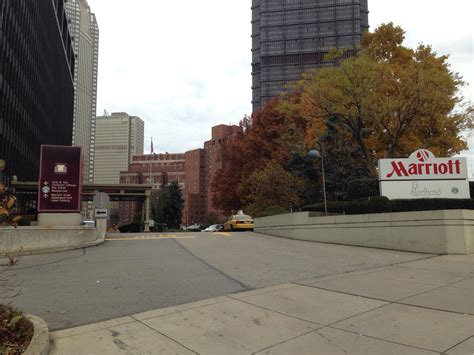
(319, 154)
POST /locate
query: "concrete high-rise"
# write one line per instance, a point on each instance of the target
(290, 37)
(36, 83)
(85, 33)
(118, 138)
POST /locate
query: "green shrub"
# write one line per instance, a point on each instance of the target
(432, 204)
(382, 204)
(131, 228)
(362, 188)
(378, 204)
(24, 222)
(272, 211)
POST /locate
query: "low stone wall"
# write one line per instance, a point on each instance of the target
(37, 240)
(434, 232)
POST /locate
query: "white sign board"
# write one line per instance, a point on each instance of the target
(425, 189)
(101, 213)
(423, 175)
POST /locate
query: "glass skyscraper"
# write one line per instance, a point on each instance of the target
(290, 37)
(36, 83)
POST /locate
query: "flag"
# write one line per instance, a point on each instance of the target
(151, 148)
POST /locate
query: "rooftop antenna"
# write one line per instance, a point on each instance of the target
(106, 113)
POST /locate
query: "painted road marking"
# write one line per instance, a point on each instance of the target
(221, 234)
(143, 237)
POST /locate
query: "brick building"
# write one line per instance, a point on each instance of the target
(194, 171)
(195, 201)
(158, 169)
(201, 167)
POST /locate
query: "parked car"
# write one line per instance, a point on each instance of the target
(194, 227)
(239, 221)
(88, 224)
(214, 228)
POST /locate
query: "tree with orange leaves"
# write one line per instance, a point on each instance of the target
(391, 99)
(7, 203)
(271, 136)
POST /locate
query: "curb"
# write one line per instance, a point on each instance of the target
(40, 342)
(47, 250)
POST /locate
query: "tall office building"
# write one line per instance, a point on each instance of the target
(290, 37)
(117, 139)
(85, 34)
(36, 83)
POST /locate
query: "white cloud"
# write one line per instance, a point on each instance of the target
(184, 66)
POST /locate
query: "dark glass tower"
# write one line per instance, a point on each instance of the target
(36, 82)
(290, 37)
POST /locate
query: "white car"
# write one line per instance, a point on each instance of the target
(214, 228)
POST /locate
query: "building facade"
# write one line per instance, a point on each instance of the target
(195, 190)
(290, 37)
(85, 34)
(36, 83)
(193, 170)
(156, 169)
(118, 138)
(214, 162)
(201, 168)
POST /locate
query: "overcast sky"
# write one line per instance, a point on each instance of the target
(184, 66)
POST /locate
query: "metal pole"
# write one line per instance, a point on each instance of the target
(324, 179)
(149, 161)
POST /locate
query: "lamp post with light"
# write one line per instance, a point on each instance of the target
(319, 154)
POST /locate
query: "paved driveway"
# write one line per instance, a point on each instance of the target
(133, 273)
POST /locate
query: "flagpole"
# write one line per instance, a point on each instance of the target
(151, 154)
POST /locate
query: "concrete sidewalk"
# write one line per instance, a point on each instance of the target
(421, 307)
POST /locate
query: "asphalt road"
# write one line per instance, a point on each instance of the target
(135, 273)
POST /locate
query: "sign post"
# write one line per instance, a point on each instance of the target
(60, 186)
(101, 200)
(423, 175)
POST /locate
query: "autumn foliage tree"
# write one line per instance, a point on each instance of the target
(270, 136)
(385, 101)
(272, 187)
(391, 99)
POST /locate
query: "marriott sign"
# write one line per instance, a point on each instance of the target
(423, 175)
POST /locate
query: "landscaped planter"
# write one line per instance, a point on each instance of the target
(39, 344)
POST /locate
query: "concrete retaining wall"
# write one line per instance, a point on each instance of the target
(37, 240)
(434, 232)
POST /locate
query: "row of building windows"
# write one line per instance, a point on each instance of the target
(306, 30)
(308, 16)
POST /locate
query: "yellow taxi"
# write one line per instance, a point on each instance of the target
(239, 221)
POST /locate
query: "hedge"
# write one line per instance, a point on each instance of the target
(362, 188)
(432, 204)
(382, 205)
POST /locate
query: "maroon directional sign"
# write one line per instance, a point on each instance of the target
(60, 185)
